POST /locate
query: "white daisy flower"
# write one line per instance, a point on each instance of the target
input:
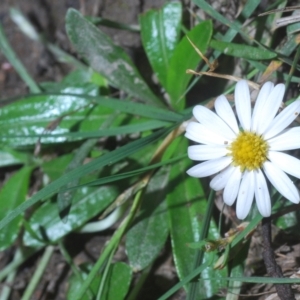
(243, 157)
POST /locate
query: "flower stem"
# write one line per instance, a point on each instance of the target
(284, 291)
(38, 273)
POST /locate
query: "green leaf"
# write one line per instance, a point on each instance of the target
(265, 280)
(136, 172)
(56, 167)
(160, 33)
(235, 26)
(238, 255)
(148, 234)
(112, 24)
(12, 194)
(116, 287)
(289, 222)
(288, 47)
(96, 164)
(9, 157)
(185, 57)
(186, 280)
(208, 288)
(139, 109)
(31, 116)
(118, 283)
(294, 27)
(65, 197)
(234, 287)
(79, 78)
(87, 203)
(243, 51)
(137, 126)
(25, 120)
(75, 283)
(109, 60)
(187, 205)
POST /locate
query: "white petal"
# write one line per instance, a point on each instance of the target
(208, 118)
(287, 140)
(262, 195)
(245, 196)
(283, 120)
(220, 180)
(209, 167)
(201, 134)
(285, 162)
(243, 104)
(281, 182)
(270, 109)
(205, 152)
(232, 186)
(259, 104)
(225, 112)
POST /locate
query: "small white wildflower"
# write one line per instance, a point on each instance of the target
(245, 156)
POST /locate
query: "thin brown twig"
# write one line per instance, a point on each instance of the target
(284, 291)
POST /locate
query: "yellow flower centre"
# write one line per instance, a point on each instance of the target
(249, 151)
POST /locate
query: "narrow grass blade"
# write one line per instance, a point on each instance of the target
(96, 164)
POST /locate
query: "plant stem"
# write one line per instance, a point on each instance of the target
(74, 268)
(138, 286)
(284, 291)
(110, 246)
(38, 273)
(6, 290)
(20, 257)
